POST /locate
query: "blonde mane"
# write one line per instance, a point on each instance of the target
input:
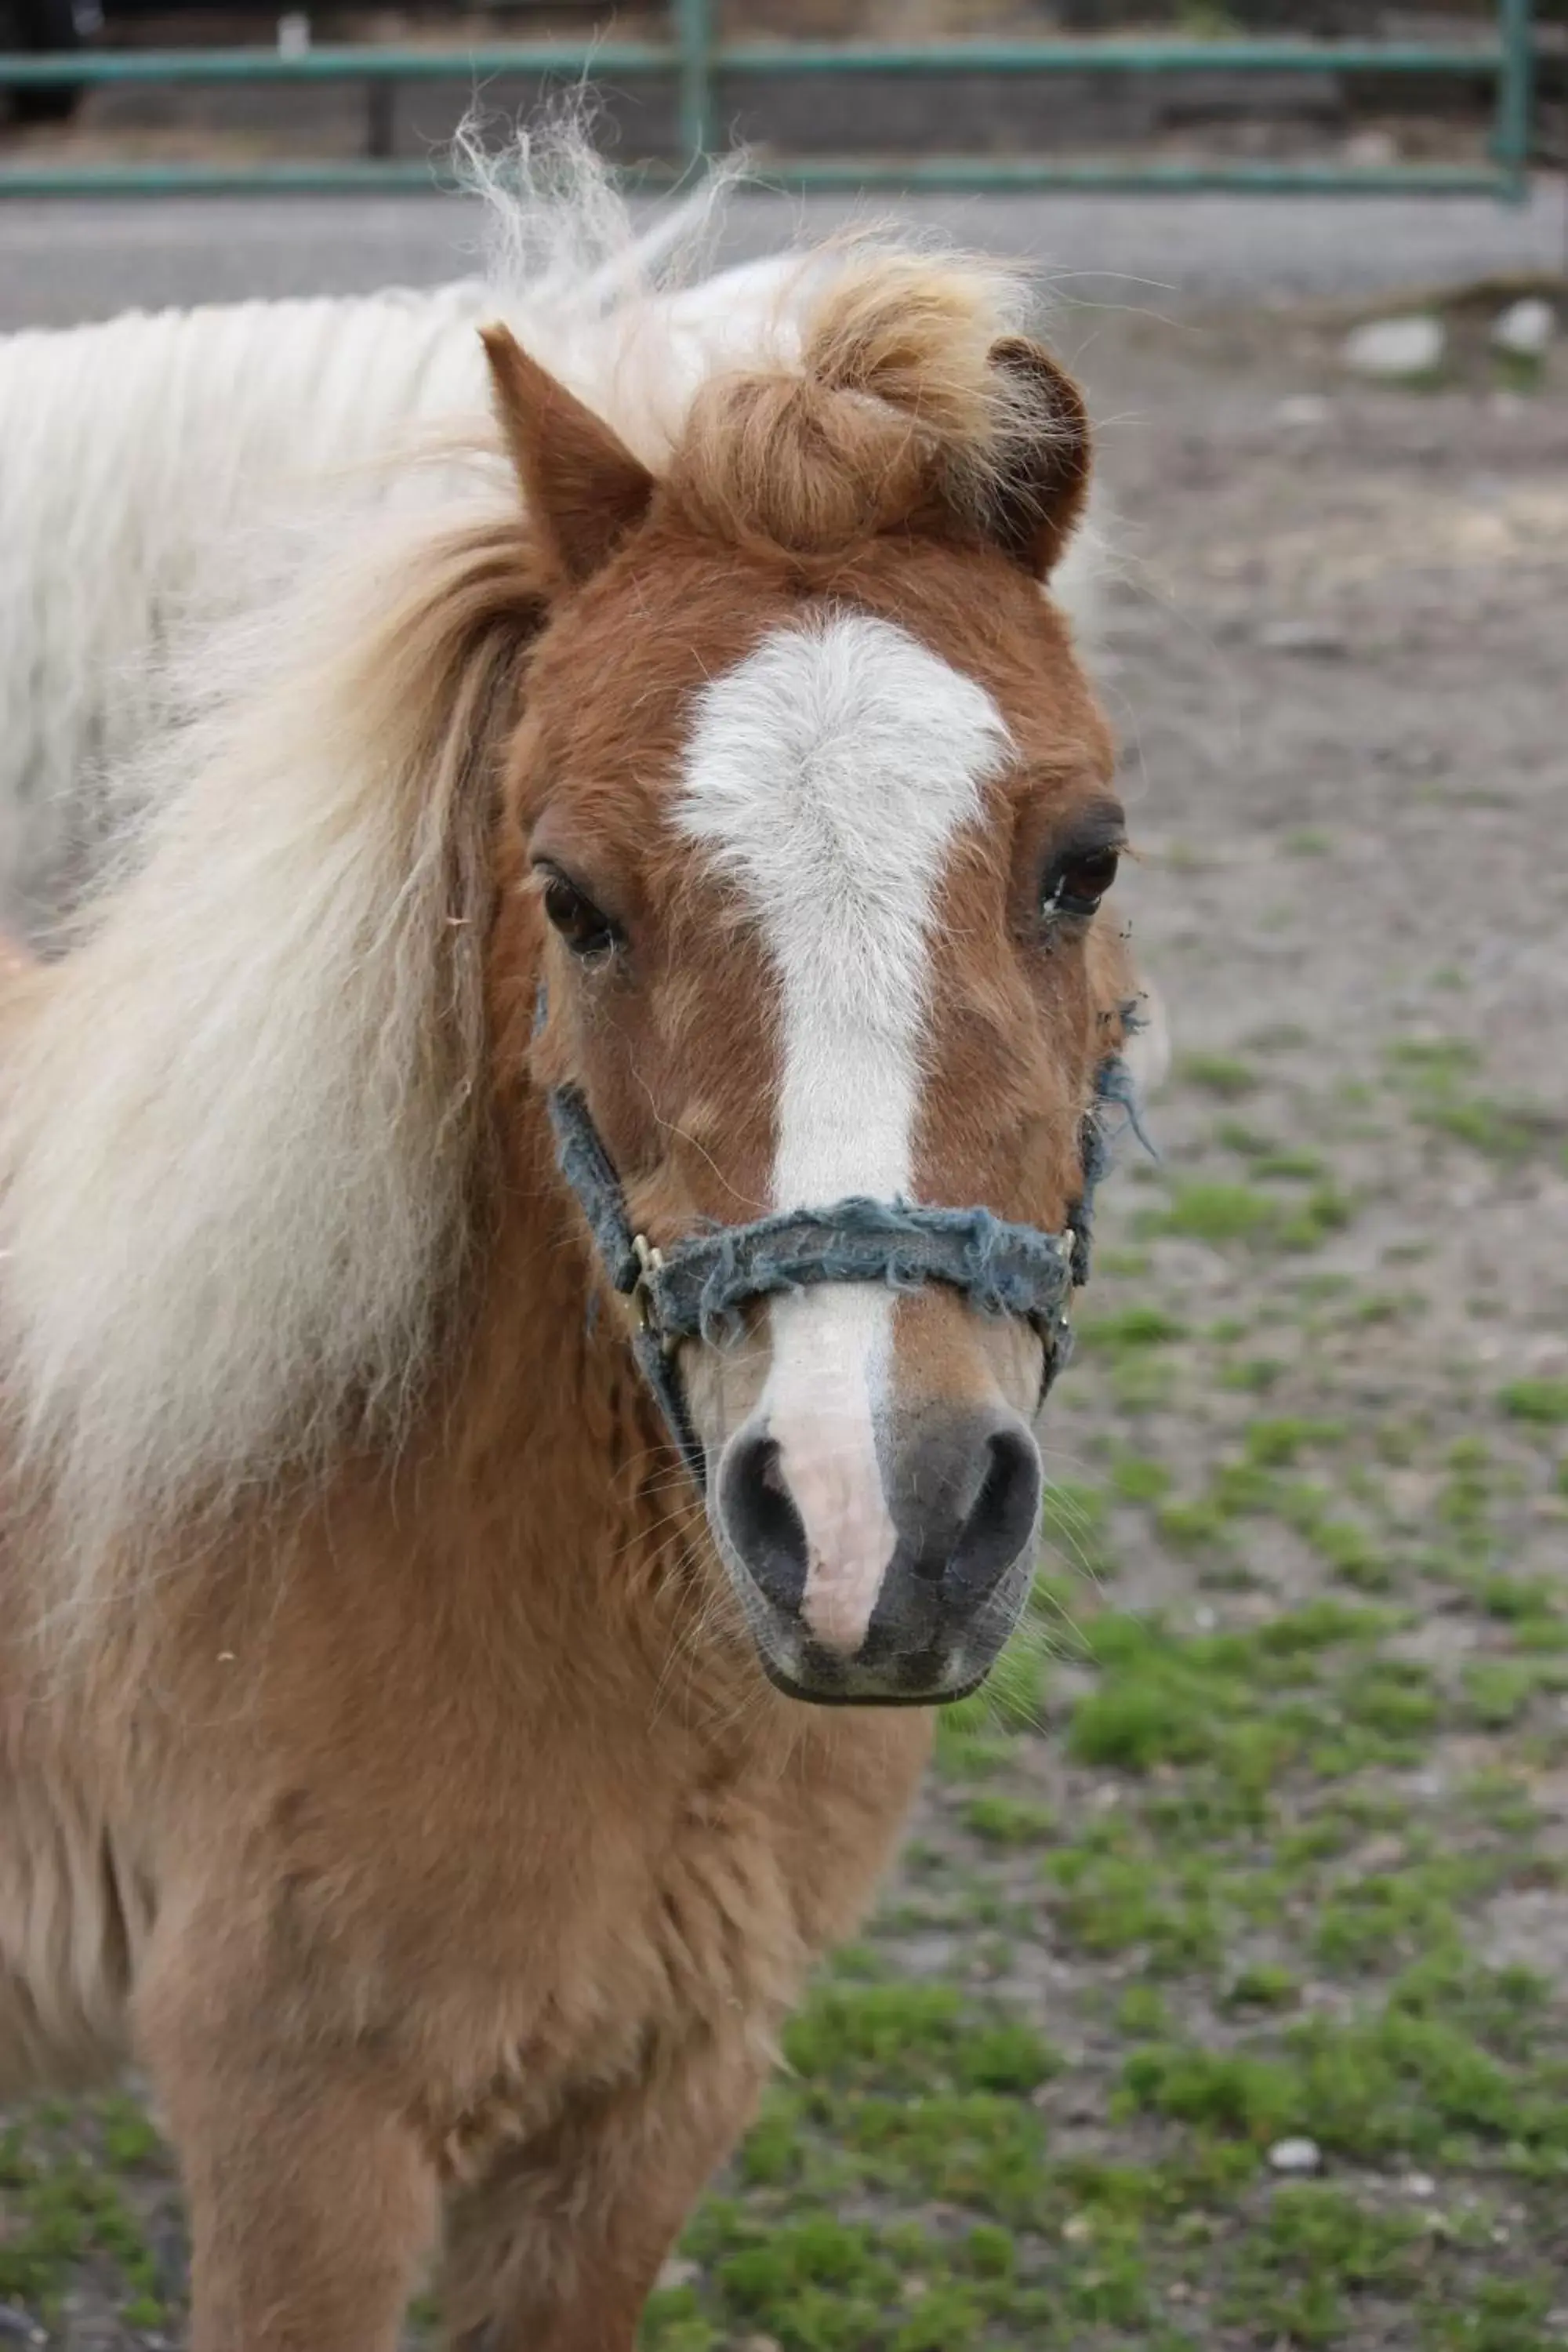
(239, 1121)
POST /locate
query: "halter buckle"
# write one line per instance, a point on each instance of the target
(650, 1264)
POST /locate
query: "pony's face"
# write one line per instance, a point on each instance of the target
(820, 844)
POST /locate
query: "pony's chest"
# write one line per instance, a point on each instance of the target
(684, 1920)
(678, 1905)
(661, 1934)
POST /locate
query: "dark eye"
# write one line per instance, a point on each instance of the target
(1078, 885)
(586, 929)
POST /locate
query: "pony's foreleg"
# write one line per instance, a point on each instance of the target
(312, 2202)
(557, 2247)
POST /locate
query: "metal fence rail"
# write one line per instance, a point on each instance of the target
(694, 59)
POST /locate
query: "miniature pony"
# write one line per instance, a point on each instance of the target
(410, 1753)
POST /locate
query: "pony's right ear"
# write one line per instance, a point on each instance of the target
(1041, 498)
(582, 488)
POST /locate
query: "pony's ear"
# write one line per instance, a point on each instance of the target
(1039, 500)
(582, 488)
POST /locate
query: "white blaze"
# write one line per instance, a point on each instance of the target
(830, 770)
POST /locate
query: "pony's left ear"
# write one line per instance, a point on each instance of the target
(582, 488)
(1039, 500)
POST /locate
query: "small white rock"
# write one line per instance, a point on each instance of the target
(1371, 151)
(1303, 408)
(1419, 2184)
(1525, 328)
(1396, 348)
(1295, 2156)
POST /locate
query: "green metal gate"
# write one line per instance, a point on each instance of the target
(694, 58)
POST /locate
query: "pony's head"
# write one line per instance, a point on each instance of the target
(814, 810)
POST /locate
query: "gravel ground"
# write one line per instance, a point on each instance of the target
(1220, 2000)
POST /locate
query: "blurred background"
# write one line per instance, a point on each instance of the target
(1277, 113)
(1220, 1999)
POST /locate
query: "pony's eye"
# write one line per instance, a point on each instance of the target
(1078, 885)
(586, 929)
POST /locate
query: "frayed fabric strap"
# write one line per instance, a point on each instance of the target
(697, 1288)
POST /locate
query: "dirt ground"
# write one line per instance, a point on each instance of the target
(1220, 2001)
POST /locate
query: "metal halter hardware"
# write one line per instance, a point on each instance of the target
(697, 1287)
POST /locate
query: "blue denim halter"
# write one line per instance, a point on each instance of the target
(697, 1287)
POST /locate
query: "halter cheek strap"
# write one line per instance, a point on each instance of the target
(697, 1288)
(629, 1261)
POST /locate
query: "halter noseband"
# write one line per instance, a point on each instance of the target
(695, 1288)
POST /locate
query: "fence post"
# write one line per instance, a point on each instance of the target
(694, 25)
(1515, 92)
(380, 117)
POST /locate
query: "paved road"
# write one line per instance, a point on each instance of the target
(61, 261)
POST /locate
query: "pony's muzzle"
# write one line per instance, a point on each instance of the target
(902, 1595)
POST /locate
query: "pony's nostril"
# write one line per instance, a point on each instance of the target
(761, 1520)
(1003, 1517)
